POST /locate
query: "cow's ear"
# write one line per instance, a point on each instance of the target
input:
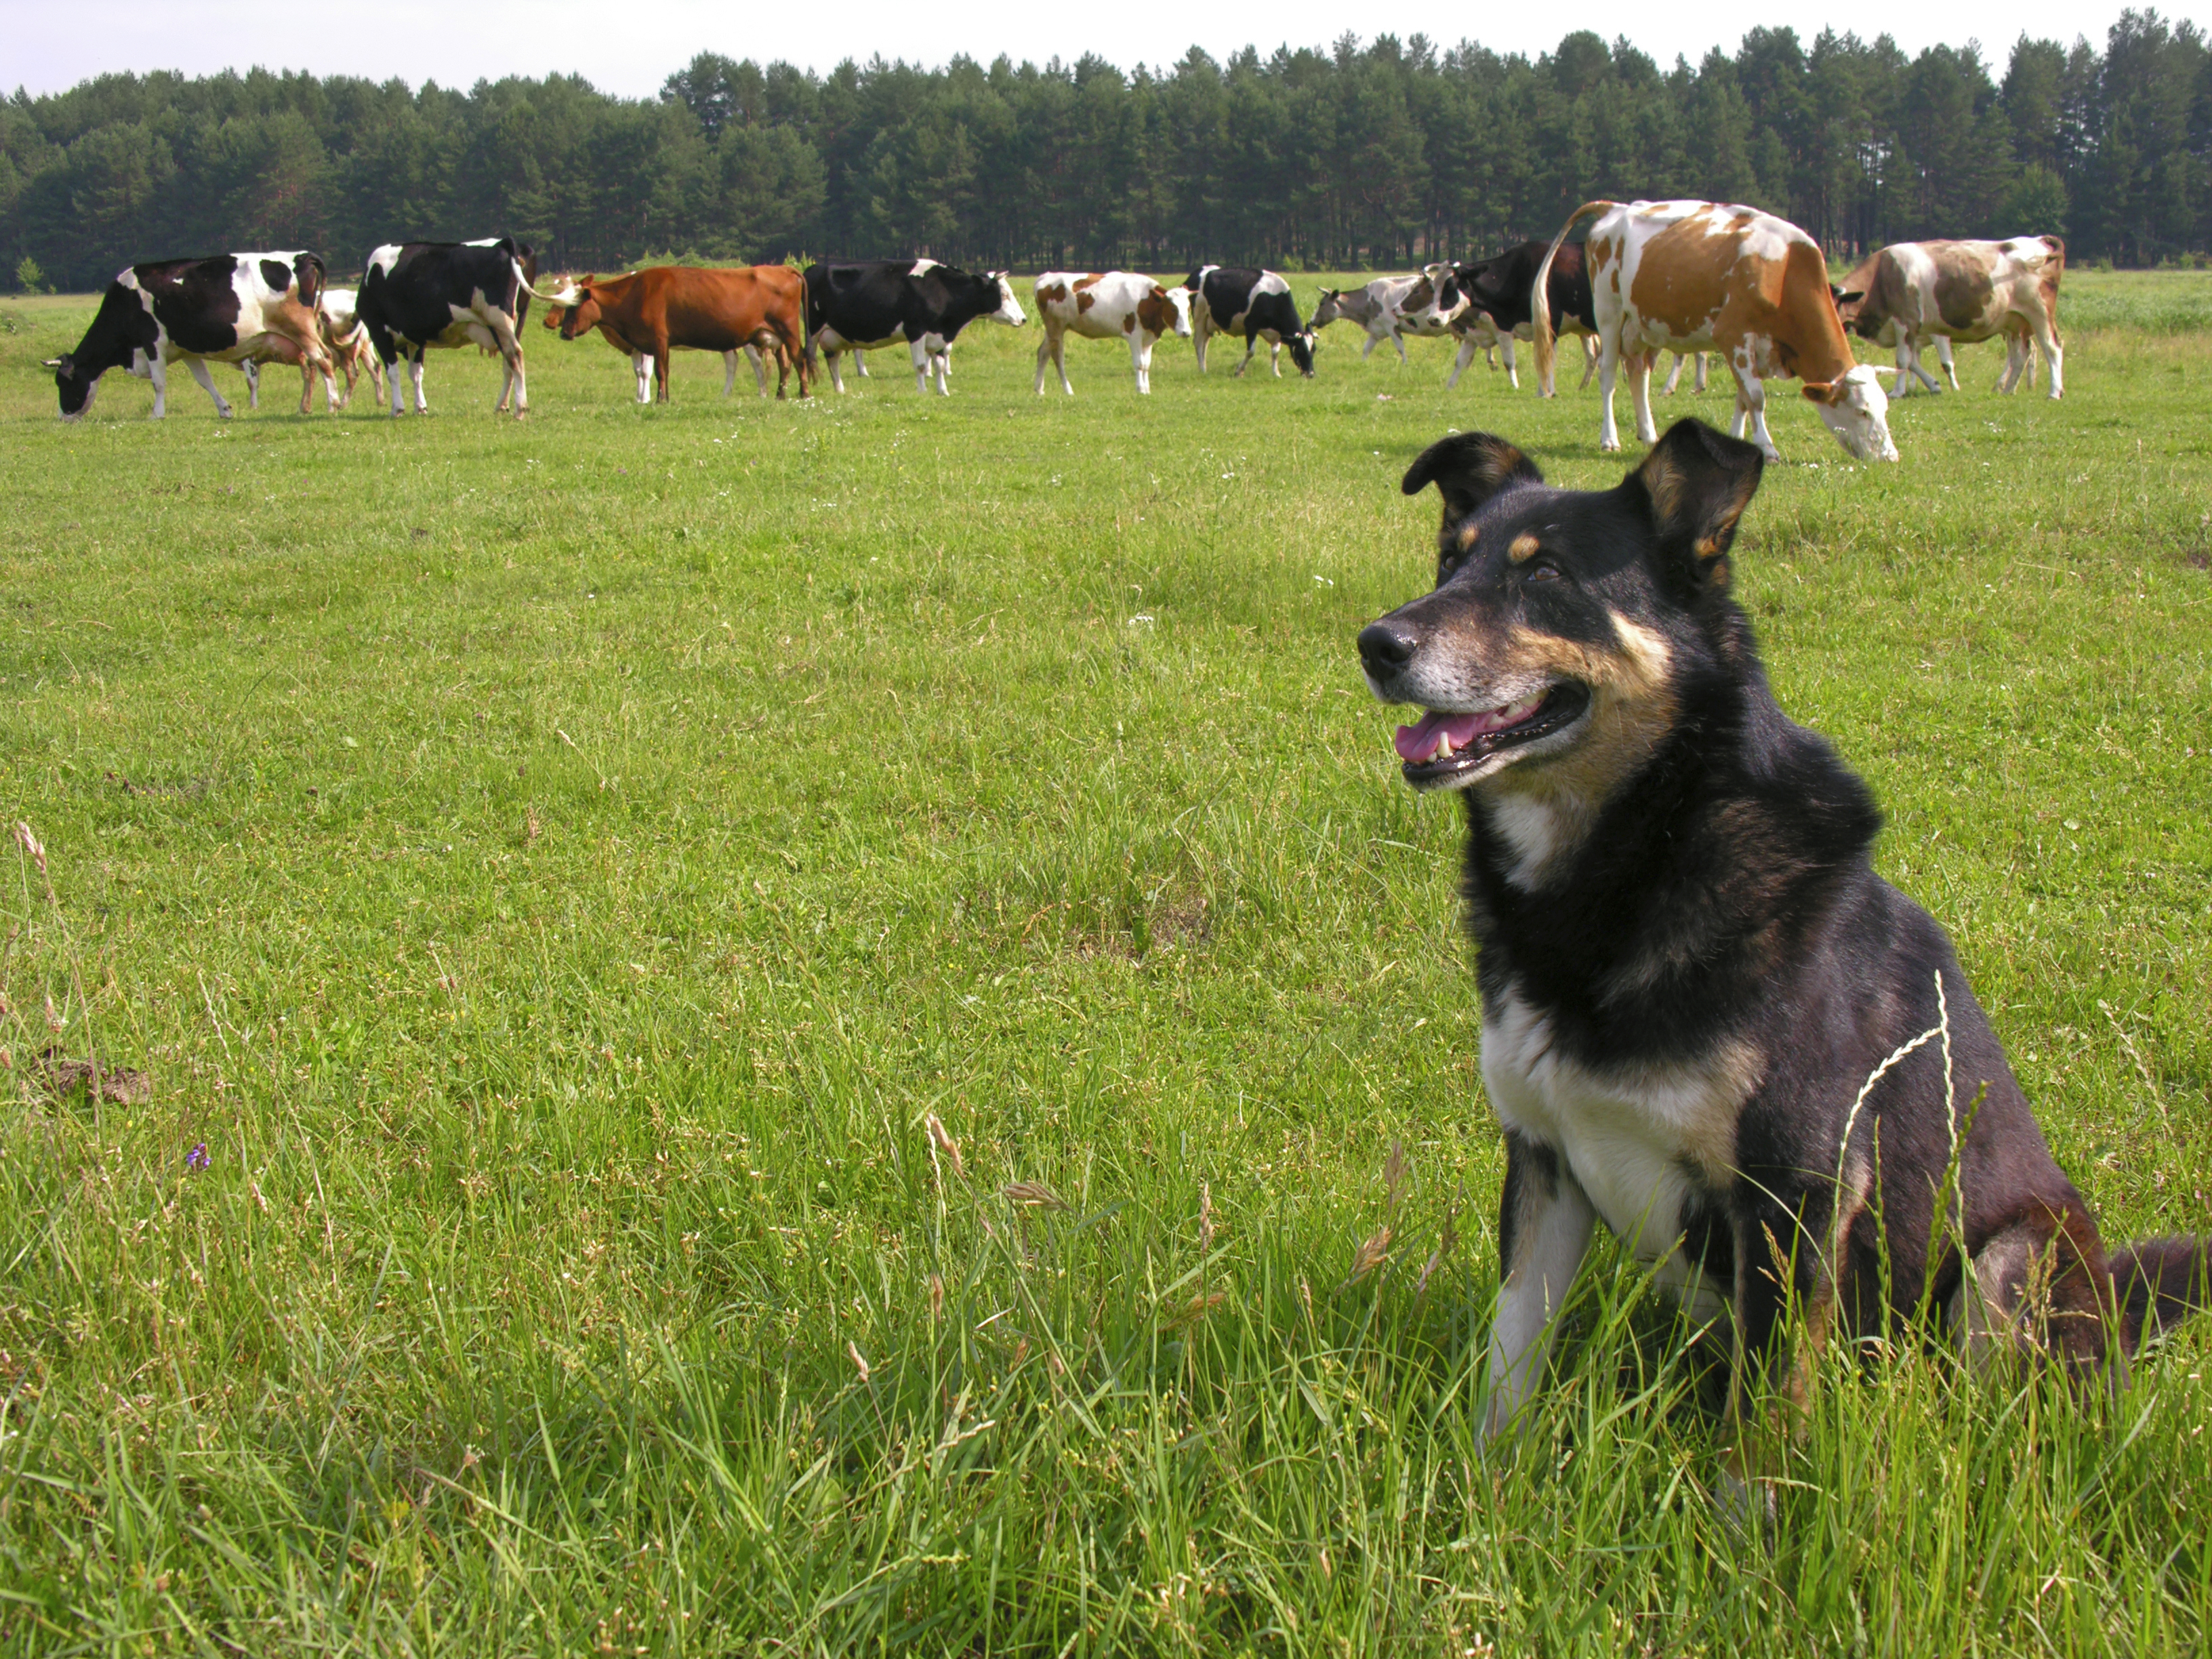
(1843, 299)
(1468, 469)
(1697, 483)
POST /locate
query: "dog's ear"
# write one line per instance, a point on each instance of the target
(1698, 482)
(1469, 468)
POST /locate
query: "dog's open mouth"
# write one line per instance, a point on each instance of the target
(1440, 746)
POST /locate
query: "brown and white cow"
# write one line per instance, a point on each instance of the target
(1106, 306)
(648, 313)
(1911, 292)
(1715, 277)
(346, 343)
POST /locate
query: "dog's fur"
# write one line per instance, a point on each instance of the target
(1689, 969)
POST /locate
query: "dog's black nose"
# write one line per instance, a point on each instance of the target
(1387, 644)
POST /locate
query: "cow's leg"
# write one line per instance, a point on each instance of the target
(920, 353)
(1608, 371)
(1199, 334)
(252, 370)
(1512, 362)
(1640, 393)
(1466, 349)
(1251, 345)
(1544, 1227)
(1399, 341)
(1589, 361)
(1044, 360)
(1674, 376)
(414, 380)
(207, 385)
(1943, 356)
(2053, 348)
(641, 368)
(860, 364)
(158, 372)
(942, 357)
(1275, 358)
(1140, 353)
(667, 393)
(1751, 401)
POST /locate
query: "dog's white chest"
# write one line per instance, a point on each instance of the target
(1640, 1139)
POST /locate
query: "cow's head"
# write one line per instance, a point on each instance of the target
(1328, 308)
(1850, 303)
(1857, 409)
(77, 388)
(1302, 345)
(1177, 300)
(1010, 310)
(574, 310)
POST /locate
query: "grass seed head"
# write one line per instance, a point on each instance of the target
(1033, 1193)
(942, 1139)
(860, 1363)
(1374, 1251)
(31, 844)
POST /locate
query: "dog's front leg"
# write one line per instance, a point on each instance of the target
(1544, 1226)
(1781, 1276)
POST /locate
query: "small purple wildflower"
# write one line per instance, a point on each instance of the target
(197, 1157)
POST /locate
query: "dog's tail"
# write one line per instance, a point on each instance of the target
(2157, 1283)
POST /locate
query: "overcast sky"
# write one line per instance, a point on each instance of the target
(630, 48)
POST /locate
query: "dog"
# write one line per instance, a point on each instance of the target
(1706, 1022)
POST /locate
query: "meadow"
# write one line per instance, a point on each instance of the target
(780, 1028)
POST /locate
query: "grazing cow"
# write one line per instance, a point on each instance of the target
(1500, 287)
(1710, 276)
(650, 313)
(920, 303)
(415, 295)
(1243, 299)
(1102, 306)
(1392, 307)
(225, 309)
(1910, 293)
(1477, 331)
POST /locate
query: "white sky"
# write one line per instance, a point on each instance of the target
(630, 48)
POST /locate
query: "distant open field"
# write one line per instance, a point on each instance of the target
(556, 870)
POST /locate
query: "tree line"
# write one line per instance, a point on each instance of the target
(1369, 156)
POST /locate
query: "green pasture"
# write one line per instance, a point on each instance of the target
(557, 871)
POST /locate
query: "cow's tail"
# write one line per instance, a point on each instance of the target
(1540, 297)
(567, 296)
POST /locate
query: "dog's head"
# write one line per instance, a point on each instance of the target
(1563, 622)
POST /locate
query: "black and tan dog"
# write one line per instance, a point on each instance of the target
(1689, 970)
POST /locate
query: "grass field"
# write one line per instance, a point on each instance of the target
(552, 873)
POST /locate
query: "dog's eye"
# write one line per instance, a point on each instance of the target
(1543, 570)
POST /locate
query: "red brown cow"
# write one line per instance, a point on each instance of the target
(650, 313)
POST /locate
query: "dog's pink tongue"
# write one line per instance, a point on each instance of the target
(1416, 744)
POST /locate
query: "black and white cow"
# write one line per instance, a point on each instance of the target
(1243, 299)
(862, 304)
(229, 308)
(418, 295)
(1498, 288)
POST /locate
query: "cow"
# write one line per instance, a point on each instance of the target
(1499, 288)
(1477, 331)
(650, 313)
(226, 308)
(1243, 299)
(1105, 306)
(1910, 293)
(1714, 277)
(1392, 307)
(415, 295)
(921, 303)
(344, 341)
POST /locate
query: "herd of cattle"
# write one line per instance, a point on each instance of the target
(1688, 277)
